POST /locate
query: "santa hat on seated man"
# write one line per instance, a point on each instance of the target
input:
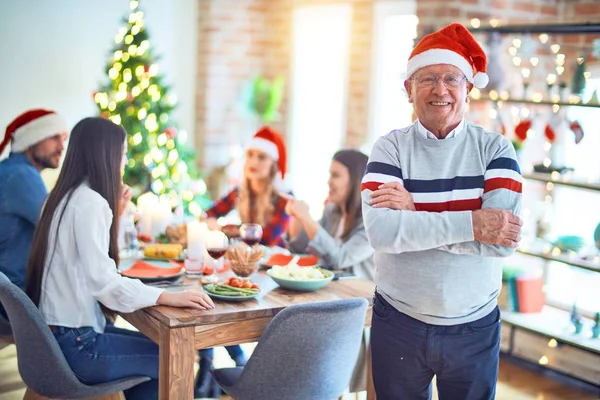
(32, 127)
(452, 45)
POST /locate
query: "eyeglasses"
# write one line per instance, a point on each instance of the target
(451, 81)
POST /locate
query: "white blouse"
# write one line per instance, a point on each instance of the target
(79, 273)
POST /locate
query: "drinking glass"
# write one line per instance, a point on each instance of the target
(216, 246)
(251, 233)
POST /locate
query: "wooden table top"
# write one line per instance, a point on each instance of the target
(271, 300)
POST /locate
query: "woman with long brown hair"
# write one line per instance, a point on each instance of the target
(72, 272)
(257, 200)
(339, 238)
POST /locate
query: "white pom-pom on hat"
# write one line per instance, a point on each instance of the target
(481, 80)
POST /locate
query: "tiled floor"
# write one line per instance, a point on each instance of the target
(515, 382)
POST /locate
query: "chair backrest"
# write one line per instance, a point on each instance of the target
(307, 352)
(42, 364)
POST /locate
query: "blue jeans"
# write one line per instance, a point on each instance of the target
(407, 353)
(115, 354)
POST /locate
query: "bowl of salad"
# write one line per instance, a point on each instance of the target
(302, 279)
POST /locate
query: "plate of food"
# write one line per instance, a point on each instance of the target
(281, 259)
(164, 251)
(233, 290)
(150, 271)
(302, 279)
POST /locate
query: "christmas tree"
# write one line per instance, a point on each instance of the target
(136, 97)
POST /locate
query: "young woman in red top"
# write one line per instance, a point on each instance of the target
(257, 199)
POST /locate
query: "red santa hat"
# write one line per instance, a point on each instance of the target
(271, 142)
(452, 45)
(32, 127)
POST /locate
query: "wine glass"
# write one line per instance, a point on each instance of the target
(216, 246)
(251, 233)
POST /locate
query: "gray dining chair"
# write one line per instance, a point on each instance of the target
(42, 364)
(308, 351)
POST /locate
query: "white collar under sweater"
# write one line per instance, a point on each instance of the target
(428, 135)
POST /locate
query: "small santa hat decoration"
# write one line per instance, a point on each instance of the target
(452, 45)
(522, 128)
(271, 142)
(550, 133)
(32, 127)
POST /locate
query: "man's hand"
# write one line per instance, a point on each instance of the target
(125, 199)
(392, 195)
(497, 226)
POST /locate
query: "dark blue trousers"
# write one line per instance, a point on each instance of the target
(407, 353)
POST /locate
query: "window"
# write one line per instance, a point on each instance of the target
(395, 28)
(321, 36)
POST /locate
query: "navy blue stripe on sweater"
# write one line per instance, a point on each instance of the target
(444, 185)
(382, 168)
(504, 163)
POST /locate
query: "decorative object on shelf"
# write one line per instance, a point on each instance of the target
(594, 100)
(597, 237)
(577, 130)
(522, 129)
(550, 133)
(596, 327)
(578, 81)
(569, 243)
(576, 319)
(497, 64)
(542, 227)
(530, 293)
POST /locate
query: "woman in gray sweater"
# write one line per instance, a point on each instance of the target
(339, 238)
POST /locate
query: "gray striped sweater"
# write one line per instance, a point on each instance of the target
(427, 263)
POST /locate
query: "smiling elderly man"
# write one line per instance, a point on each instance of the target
(441, 200)
(37, 140)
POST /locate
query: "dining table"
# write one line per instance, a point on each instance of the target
(179, 332)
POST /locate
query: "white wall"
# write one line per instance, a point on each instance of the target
(53, 53)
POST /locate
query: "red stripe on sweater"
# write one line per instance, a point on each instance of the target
(453, 205)
(502, 183)
(372, 186)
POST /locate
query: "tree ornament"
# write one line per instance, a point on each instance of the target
(171, 132)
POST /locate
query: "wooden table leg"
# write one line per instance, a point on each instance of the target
(176, 365)
(370, 385)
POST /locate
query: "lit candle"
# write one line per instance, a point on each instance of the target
(146, 203)
(195, 240)
(161, 217)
